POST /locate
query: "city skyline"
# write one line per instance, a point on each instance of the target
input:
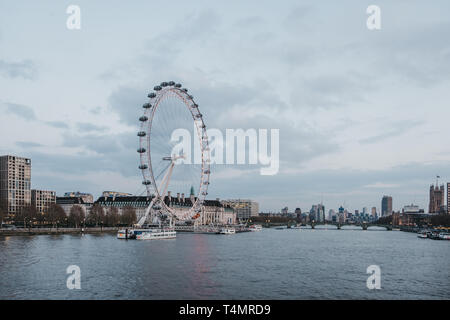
(352, 105)
(386, 207)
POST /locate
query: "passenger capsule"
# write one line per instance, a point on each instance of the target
(157, 88)
(198, 116)
(141, 134)
(146, 182)
(204, 193)
(178, 85)
(195, 105)
(207, 172)
(143, 167)
(151, 95)
(147, 105)
(185, 90)
(143, 118)
(164, 84)
(171, 83)
(141, 150)
(191, 97)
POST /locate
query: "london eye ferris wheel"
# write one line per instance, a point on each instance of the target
(166, 168)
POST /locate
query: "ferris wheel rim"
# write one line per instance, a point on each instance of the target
(156, 97)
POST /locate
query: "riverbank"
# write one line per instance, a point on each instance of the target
(49, 231)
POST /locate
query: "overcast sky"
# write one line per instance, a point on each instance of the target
(361, 113)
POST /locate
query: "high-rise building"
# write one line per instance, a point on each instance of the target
(386, 206)
(374, 211)
(437, 198)
(331, 214)
(42, 200)
(15, 184)
(341, 215)
(448, 197)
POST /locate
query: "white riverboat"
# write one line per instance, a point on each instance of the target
(154, 234)
(227, 231)
(422, 235)
(147, 234)
(255, 227)
(126, 234)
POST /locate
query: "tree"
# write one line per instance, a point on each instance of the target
(76, 216)
(27, 215)
(97, 215)
(2, 215)
(3, 211)
(440, 220)
(112, 217)
(128, 216)
(56, 214)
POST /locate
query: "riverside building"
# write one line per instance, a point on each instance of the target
(244, 208)
(213, 211)
(42, 200)
(15, 184)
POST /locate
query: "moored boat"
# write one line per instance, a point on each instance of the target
(153, 234)
(444, 236)
(227, 231)
(255, 227)
(422, 235)
(126, 234)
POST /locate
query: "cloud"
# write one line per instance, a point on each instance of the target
(392, 130)
(381, 185)
(28, 144)
(57, 124)
(25, 69)
(127, 103)
(89, 127)
(20, 110)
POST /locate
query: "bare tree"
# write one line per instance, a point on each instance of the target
(56, 215)
(112, 217)
(97, 215)
(128, 216)
(76, 216)
(3, 211)
(27, 215)
(2, 215)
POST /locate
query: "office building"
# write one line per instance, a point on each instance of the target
(115, 194)
(374, 212)
(213, 211)
(42, 200)
(386, 206)
(87, 197)
(448, 198)
(15, 184)
(244, 208)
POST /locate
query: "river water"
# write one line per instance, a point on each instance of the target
(271, 264)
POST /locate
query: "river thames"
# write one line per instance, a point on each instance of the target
(271, 264)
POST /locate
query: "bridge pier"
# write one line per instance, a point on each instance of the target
(339, 226)
(364, 226)
(313, 225)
